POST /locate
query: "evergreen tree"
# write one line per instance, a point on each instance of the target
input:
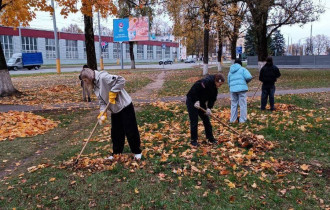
(250, 43)
(277, 46)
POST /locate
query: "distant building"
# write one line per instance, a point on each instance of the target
(73, 49)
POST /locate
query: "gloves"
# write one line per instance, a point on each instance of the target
(208, 112)
(102, 117)
(112, 97)
(197, 104)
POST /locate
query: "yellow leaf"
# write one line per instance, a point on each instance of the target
(304, 167)
(302, 128)
(230, 184)
(136, 190)
(205, 193)
(55, 198)
(52, 179)
(254, 185)
(272, 159)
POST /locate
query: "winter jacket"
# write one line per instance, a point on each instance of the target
(268, 75)
(238, 77)
(103, 84)
(204, 90)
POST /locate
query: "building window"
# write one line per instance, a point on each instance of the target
(71, 49)
(105, 51)
(50, 49)
(159, 52)
(167, 52)
(175, 53)
(7, 45)
(85, 54)
(150, 52)
(139, 51)
(128, 56)
(29, 44)
(116, 50)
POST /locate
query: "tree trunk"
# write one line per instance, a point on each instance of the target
(6, 85)
(260, 26)
(206, 44)
(131, 54)
(89, 41)
(219, 50)
(233, 47)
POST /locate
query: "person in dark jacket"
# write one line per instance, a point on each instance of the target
(268, 76)
(204, 94)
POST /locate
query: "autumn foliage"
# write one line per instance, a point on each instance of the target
(23, 124)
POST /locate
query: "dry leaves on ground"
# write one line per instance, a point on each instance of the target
(23, 124)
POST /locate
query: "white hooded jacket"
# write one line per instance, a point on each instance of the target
(103, 84)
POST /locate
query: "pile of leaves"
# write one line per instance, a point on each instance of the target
(92, 165)
(285, 107)
(23, 124)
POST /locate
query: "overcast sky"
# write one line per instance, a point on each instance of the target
(296, 33)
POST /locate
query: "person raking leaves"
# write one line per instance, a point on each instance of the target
(203, 94)
(110, 89)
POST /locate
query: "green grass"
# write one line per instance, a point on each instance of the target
(116, 188)
(178, 83)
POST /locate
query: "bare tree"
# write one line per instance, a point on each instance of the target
(321, 44)
(72, 28)
(266, 16)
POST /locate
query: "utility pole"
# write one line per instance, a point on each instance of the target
(20, 37)
(100, 40)
(57, 48)
(311, 40)
(288, 45)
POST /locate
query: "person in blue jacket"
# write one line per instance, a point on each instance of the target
(238, 77)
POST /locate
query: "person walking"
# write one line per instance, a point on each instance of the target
(269, 74)
(203, 94)
(238, 77)
(110, 89)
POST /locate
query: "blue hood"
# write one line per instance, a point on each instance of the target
(234, 68)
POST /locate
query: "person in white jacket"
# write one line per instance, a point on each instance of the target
(110, 89)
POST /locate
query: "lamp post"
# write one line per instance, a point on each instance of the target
(57, 48)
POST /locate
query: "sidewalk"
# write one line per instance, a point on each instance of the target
(94, 104)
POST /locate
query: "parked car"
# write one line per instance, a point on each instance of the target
(167, 61)
(25, 60)
(189, 60)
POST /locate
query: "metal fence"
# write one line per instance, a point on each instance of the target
(309, 60)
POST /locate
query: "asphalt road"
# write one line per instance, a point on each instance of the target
(76, 69)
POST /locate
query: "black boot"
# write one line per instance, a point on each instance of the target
(194, 143)
(213, 141)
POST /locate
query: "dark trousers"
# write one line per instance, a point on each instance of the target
(267, 92)
(124, 124)
(193, 116)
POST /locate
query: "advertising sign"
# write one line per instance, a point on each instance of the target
(239, 50)
(131, 29)
(120, 30)
(104, 45)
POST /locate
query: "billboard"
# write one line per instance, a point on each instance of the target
(131, 29)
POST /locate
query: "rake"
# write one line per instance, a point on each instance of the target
(90, 136)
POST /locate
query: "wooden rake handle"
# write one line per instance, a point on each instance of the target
(90, 136)
(222, 123)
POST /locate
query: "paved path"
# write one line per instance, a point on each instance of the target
(6, 108)
(175, 66)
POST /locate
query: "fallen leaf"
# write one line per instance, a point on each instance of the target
(136, 191)
(254, 185)
(304, 167)
(52, 179)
